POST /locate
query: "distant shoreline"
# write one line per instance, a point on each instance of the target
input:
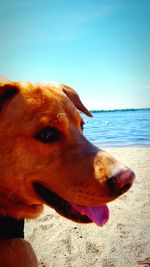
(121, 110)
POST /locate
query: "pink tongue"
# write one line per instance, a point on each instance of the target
(99, 215)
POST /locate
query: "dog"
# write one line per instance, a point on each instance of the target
(46, 159)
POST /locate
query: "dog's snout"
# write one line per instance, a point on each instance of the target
(122, 181)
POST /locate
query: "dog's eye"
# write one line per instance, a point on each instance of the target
(47, 135)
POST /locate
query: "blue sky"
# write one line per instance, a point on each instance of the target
(99, 47)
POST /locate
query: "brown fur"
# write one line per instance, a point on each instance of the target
(73, 168)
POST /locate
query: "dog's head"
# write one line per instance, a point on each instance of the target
(45, 158)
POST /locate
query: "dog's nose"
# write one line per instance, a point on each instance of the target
(122, 181)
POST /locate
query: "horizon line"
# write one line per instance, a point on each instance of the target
(113, 110)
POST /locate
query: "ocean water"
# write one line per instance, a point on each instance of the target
(119, 128)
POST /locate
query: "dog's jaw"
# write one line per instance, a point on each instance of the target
(18, 209)
(61, 206)
(77, 213)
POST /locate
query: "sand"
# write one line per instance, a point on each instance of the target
(120, 243)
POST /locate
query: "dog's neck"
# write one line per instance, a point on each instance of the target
(11, 228)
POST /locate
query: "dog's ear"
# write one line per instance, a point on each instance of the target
(7, 91)
(74, 97)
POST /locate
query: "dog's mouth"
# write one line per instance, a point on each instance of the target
(77, 213)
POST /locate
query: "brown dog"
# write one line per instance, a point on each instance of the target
(45, 159)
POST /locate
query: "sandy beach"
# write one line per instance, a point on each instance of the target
(120, 243)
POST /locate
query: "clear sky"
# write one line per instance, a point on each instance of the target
(99, 47)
